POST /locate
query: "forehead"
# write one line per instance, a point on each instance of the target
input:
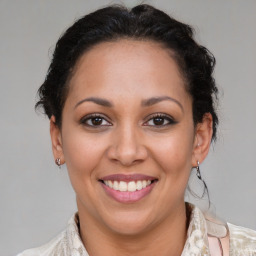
(138, 68)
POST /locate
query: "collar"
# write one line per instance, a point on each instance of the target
(197, 239)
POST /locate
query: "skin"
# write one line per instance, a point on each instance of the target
(126, 73)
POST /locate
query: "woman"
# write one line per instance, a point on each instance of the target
(130, 97)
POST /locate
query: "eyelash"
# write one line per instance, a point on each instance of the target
(166, 118)
(90, 117)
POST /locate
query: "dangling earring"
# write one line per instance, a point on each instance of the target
(198, 173)
(57, 162)
(205, 191)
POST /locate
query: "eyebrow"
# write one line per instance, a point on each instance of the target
(155, 100)
(99, 101)
(145, 103)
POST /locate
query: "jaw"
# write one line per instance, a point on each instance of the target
(129, 217)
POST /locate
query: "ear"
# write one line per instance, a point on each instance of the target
(56, 140)
(202, 142)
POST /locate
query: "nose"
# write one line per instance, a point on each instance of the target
(127, 147)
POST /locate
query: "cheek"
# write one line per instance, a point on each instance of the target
(174, 153)
(82, 155)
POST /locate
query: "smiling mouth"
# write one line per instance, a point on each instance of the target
(128, 188)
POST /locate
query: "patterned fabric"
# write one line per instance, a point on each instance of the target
(197, 239)
(68, 243)
(242, 241)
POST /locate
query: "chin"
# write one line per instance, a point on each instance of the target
(129, 223)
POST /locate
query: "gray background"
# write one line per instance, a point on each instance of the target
(36, 198)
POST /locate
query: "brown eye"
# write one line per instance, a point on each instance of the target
(158, 121)
(95, 120)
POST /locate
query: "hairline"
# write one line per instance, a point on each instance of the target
(172, 53)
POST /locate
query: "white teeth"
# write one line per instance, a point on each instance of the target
(116, 185)
(130, 186)
(110, 184)
(123, 186)
(139, 185)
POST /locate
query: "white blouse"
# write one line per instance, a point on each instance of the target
(68, 243)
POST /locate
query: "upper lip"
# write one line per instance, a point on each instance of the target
(129, 177)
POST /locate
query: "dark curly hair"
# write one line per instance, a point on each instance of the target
(142, 22)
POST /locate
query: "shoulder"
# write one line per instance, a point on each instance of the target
(66, 243)
(48, 249)
(242, 241)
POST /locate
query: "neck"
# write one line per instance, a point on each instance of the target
(165, 239)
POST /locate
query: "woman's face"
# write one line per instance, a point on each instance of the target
(127, 136)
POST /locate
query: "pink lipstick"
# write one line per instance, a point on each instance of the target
(128, 188)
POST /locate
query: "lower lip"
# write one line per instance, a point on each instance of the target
(128, 197)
